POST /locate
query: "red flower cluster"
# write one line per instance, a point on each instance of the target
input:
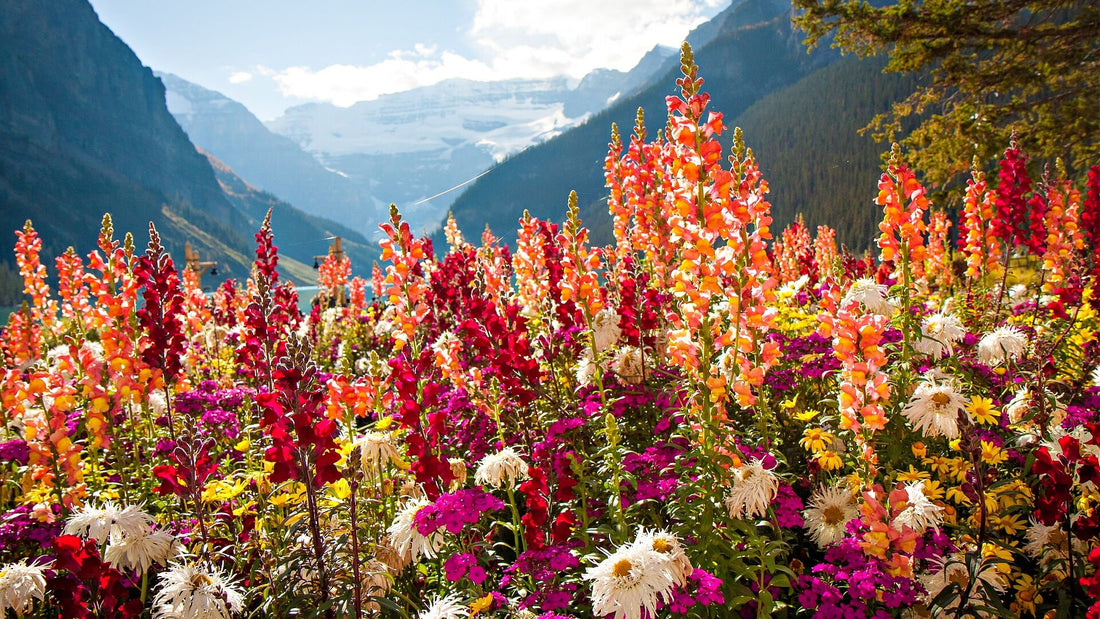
(294, 418)
(84, 586)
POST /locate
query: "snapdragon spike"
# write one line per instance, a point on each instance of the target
(163, 341)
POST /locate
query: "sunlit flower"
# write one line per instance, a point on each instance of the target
(934, 409)
(501, 469)
(628, 365)
(458, 470)
(157, 403)
(138, 552)
(754, 487)
(1000, 345)
(628, 581)
(919, 513)
(109, 521)
(939, 333)
(586, 368)
(1096, 377)
(191, 592)
(378, 450)
(829, 511)
(409, 543)
(1049, 543)
(981, 411)
(667, 546)
(871, 294)
(1018, 407)
(448, 607)
(20, 586)
(605, 329)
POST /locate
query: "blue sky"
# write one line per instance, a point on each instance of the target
(271, 54)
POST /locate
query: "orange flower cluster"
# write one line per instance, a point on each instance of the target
(981, 248)
(404, 284)
(903, 203)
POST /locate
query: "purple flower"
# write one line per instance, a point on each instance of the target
(455, 510)
(16, 451)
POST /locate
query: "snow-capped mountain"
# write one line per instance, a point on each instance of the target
(408, 147)
(267, 160)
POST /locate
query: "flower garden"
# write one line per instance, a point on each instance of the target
(699, 420)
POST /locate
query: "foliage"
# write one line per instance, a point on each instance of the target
(990, 69)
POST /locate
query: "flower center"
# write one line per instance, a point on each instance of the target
(941, 399)
(1057, 539)
(959, 577)
(199, 580)
(833, 515)
(661, 545)
(622, 568)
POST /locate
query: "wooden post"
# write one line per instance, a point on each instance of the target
(199, 267)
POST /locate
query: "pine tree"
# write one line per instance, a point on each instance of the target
(987, 67)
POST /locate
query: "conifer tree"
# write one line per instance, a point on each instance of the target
(987, 67)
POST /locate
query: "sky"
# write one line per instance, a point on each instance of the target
(273, 54)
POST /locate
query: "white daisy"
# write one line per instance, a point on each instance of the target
(828, 514)
(378, 450)
(628, 365)
(605, 329)
(1096, 377)
(501, 469)
(1019, 406)
(407, 541)
(666, 546)
(20, 586)
(109, 521)
(458, 470)
(190, 592)
(628, 581)
(871, 294)
(138, 552)
(754, 488)
(1000, 345)
(445, 608)
(158, 404)
(934, 409)
(920, 513)
(1049, 543)
(939, 333)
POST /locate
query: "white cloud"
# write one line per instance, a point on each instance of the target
(240, 77)
(514, 40)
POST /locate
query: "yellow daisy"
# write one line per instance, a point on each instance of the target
(981, 411)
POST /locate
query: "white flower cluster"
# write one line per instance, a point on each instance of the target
(939, 333)
(872, 295)
(605, 329)
(1001, 345)
(828, 513)
(20, 586)
(190, 591)
(919, 513)
(407, 542)
(639, 575)
(132, 544)
(754, 488)
(934, 409)
(501, 469)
